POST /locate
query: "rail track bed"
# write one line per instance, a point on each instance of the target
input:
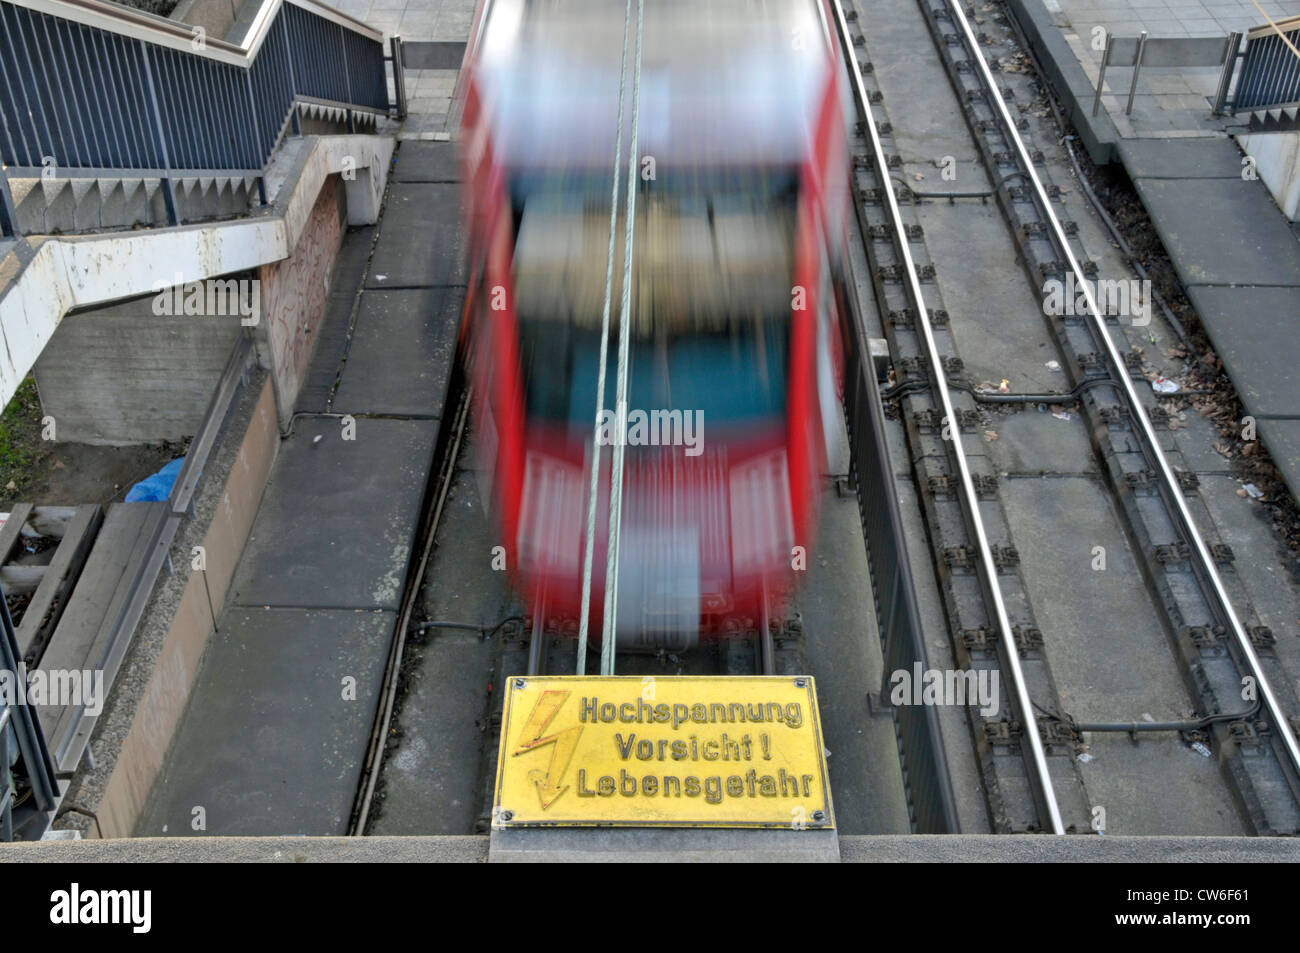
(1093, 541)
(440, 756)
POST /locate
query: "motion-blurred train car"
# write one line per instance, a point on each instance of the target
(736, 331)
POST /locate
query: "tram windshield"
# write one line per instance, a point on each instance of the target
(710, 300)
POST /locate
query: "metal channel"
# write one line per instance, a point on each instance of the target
(1151, 444)
(593, 488)
(988, 569)
(609, 637)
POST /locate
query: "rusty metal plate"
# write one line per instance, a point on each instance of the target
(682, 751)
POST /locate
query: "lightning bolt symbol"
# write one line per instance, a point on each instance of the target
(566, 742)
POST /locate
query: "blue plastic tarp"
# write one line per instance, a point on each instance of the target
(157, 487)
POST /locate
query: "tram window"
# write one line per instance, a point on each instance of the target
(711, 321)
(735, 377)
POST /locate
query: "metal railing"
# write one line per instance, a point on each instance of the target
(92, 90)
(1147, 52)
(1270, 68)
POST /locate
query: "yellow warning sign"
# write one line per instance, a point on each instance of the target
(676, 751)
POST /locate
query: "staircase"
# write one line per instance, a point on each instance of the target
(163, 125)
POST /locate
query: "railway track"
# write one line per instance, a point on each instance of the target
(1031, 777)
(1029, 756)
(522, 640)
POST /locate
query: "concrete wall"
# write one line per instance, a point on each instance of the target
(125, 374)
(1277, 159)
(294, 293)
(166, 693)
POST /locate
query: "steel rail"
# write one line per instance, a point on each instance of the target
(1151, 443)
(1045, 788)
(593, 488)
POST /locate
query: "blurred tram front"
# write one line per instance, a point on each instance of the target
(735, 331)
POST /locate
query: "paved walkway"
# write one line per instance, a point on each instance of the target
(280, 718)
(1169, 101)
(429, 91)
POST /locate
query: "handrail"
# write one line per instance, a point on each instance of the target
(1274, 27)
(141, 25)
(1270, 67)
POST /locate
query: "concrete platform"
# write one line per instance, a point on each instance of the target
(294, 765)
(410, 381)
(334, 334)
(275, 734)
(338, 516)
(1221, 231)
(428, 162)
(1193, 158)
(1268, 377)
(420, 245)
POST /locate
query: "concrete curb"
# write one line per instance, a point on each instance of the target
(913, 848)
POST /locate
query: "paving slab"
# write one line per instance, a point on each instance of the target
(1181, 158)
(1255, 331)
(402, 353)
(1222, 231)
(269, 743)
(353, 256)
(421, 244)
(338, 516)
(442, 54)
(1282, 438)
(435, 162)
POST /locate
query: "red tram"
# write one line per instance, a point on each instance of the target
(736, 331)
